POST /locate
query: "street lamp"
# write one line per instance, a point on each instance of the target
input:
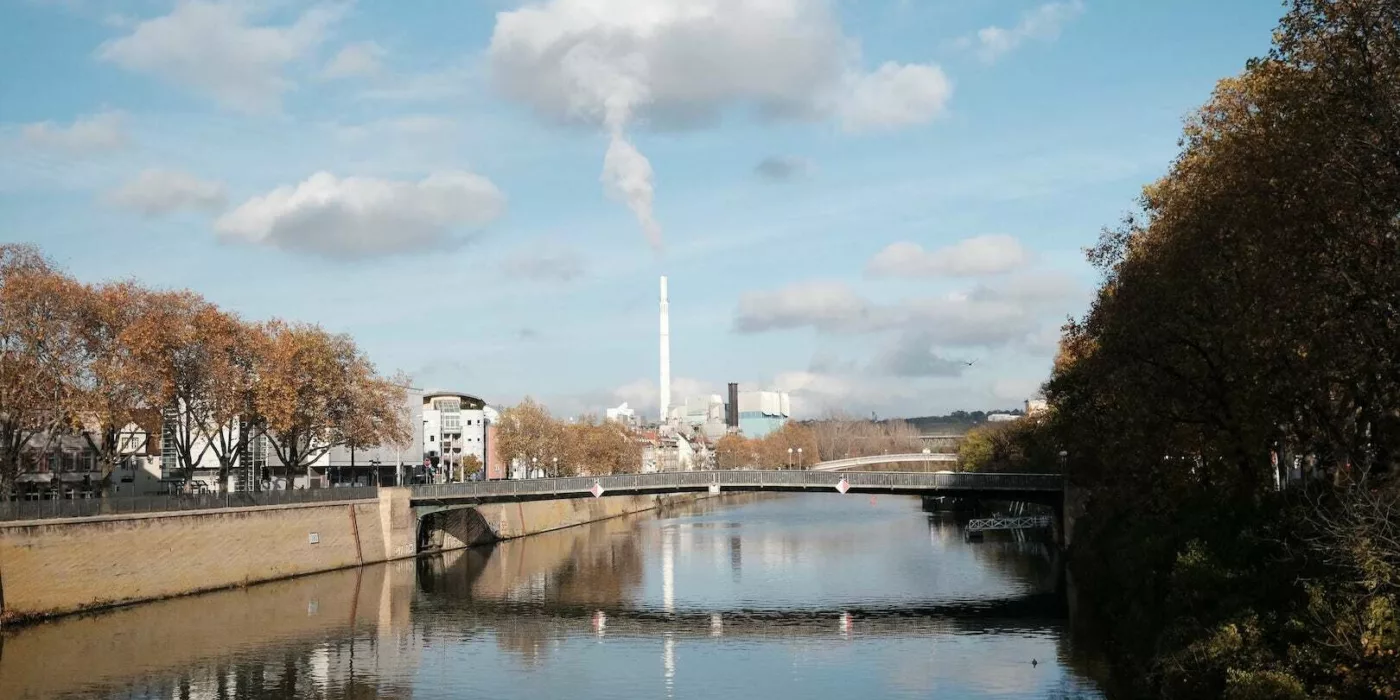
(556, 467)
(789, 460)
(534, 466)
(799, 458)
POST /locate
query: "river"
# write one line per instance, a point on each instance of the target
(809, 596)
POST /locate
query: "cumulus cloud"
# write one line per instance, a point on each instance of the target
(215, 49)
(894, 96)
(550, 264)
(359, 217)
(1043, 23)
(980, 255)
(360, 60)
(986, 317)
(781, 168)
(95, 133)
(159, 192)
(615, 63)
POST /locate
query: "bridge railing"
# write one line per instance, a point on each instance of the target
(124, 505)
(811, 480)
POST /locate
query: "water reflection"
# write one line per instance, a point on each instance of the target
(749, 597)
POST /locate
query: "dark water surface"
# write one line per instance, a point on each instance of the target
(809, 597)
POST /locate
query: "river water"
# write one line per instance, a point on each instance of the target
(808, 596)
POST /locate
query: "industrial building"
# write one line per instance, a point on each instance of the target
(762, 412)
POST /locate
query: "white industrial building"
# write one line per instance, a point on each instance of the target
(762, 412)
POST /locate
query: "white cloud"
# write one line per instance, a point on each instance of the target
(548, 263)
(1044, 23)
(980, 255)
(360, 60)
(618, 63)
(682, 63)
(160, 192)
(95, 133)
(356, 217)
(213, 48)
(895, 96)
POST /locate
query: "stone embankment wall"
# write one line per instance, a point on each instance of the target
(53, 567)
(456, 529)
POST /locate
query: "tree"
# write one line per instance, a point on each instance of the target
(592, 447)
(306, 391)
(527, 433)
(470, 465)
(374, 415)
(228, 418)
(114, 385)
(176, 340)
(38, 354)
(1248, 313)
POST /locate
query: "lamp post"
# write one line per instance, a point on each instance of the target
(789, 459)
(799, 458)
(534, 466)
(556, 467)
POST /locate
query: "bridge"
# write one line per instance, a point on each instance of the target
(1031, 488)
(853, 462)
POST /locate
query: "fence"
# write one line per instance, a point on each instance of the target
(78, 508)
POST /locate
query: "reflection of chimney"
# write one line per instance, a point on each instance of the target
(665, 355)
(731, 413)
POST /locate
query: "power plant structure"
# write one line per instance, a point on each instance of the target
(754, 413)
(665, 383)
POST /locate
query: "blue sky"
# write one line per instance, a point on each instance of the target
(852, 199)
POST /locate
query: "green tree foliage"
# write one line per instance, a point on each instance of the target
(1250, 311)
(1022, 446)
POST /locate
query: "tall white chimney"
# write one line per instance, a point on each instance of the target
(665, 354)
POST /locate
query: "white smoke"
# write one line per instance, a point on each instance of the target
(618, 64)
(628, 175)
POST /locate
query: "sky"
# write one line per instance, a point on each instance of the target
(879, 206)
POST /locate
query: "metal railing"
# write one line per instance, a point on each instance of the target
(758, 479)
(839, 464)
(86, 507)
(1009, 523)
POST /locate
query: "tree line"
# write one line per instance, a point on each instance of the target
(92, 360)
(1247, 329)
(526, 433)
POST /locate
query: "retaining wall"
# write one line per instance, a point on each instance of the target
(53, 567)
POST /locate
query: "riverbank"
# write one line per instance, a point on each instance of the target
(58, 567)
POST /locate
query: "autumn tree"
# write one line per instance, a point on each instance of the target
(528, 433)
(374, 415)
(176, 340)
(593, 448)
(38, 354)
(115, 386)
(227, 413)
(1248, 315)
(308, 386)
